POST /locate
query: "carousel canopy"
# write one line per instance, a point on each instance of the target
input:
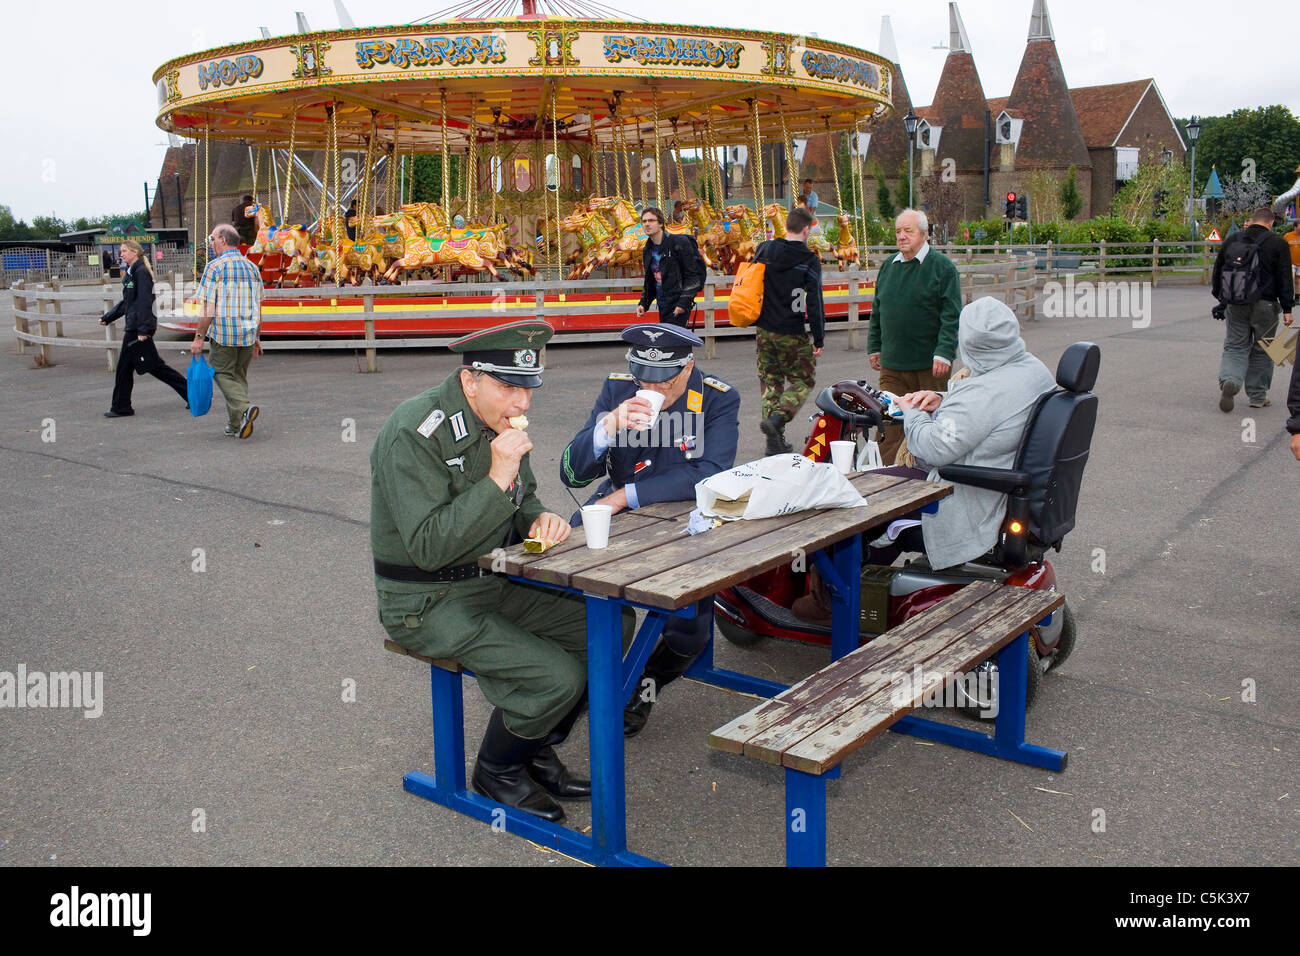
(557, 68)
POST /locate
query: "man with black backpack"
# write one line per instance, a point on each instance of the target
(1252, 281)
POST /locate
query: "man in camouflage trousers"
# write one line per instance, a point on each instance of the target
(792, 296)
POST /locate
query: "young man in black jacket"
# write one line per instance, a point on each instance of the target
(792, 296)
(674, 271)
(1243, 360)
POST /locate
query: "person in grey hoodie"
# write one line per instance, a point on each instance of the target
(980, 421)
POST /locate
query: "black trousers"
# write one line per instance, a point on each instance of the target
(124, 380)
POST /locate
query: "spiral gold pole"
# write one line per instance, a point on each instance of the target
(659, 189)
(288, 170)
(791, 164)
(835, 164)
(758, 160)
(446, 158)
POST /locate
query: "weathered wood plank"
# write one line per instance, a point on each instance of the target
(516, 559)
(435, 661)
(585, 568)
(685, 583)
(732, 737)
(771, 744)
(827, 747)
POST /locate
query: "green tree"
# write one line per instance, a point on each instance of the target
(48, 227)
(426, 178)
(1071, 201)
(13, 229)
(1156, 191)
(884, 200)
(1261, 144)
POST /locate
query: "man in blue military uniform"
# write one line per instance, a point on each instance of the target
(450, 481)
(694, 437)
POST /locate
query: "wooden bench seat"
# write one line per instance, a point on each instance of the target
(812, 726)
(446, 665)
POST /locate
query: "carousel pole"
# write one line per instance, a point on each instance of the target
(640, 164)
(659, 189)
(341, 232)
(207, 186)
(677, 161)
(555, 146)
(791, 164)
(499, 168)
(288, 169)
(445, 198)
(760, 198)
(471, 171)
(835, 166)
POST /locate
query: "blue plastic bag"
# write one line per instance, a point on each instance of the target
(198, 385)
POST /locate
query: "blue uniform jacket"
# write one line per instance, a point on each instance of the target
(693, 439)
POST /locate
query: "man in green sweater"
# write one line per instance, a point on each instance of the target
(913, 334)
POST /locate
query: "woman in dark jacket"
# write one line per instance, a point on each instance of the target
(137, 342)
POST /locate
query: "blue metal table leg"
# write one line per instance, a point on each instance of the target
(1008, 738)
(805, 819)
(604, 685)
(448, 729)
(704, 671)
(847, 605)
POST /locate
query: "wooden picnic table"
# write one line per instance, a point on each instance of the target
(651, 563)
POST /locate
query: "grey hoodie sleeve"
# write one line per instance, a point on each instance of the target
(952, 432)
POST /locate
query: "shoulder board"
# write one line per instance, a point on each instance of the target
(430, 424)
(720, 385)
(621, 377)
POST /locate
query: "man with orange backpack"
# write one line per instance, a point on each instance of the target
(792, 307)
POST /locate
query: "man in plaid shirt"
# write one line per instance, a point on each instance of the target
(231, 293)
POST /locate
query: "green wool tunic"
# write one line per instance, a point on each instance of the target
(914, 312)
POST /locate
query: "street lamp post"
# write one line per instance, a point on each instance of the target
(909, 122)
(1193, 134)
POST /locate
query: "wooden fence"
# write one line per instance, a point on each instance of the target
(1008, 276)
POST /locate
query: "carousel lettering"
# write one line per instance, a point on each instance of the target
(229, 72)
(667, 50)
(432, 51)
(825, 66)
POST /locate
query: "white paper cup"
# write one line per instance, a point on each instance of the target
(656, 400)
(595, 521)
(842, 455)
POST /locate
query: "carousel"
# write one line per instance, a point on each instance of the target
(550, 130)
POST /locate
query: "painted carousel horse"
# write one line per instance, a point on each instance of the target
(592, 232)
(846, 247)
(476, 250)
(290, 241)
(624, 247)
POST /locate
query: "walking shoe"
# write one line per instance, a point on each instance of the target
(246, 423)
(1261, 402)
(112, 414)
(231, 433)
(1229, 389)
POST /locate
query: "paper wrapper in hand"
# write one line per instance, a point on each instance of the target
(778, 485)
(537, 546)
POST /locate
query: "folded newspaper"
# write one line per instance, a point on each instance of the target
(777, 485)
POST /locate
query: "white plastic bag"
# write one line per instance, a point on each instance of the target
(777, 485)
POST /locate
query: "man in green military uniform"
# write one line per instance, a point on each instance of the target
(450, 481)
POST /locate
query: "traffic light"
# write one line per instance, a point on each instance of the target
(1022, 207)
(1010, 211)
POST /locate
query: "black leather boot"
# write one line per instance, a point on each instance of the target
(546, 767)
(774, 428)
(501, 771)
(665, 666)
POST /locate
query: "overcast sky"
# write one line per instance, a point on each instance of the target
(78, 103)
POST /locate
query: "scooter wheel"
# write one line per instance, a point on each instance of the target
(736, 634)
(1069, 631)
(985, 706)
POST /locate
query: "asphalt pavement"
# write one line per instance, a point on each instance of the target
(228, 736)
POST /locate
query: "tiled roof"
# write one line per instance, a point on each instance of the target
(1104, 110)
(1051, 134)
(889, 136)
(959, 108)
